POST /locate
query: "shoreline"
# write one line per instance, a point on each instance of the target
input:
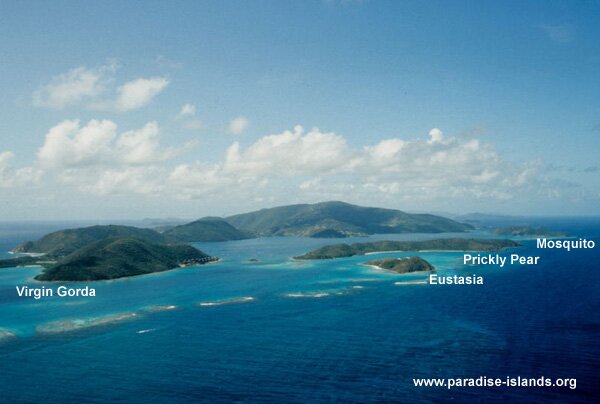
(404, 251)
(378, 268)
(122, 278)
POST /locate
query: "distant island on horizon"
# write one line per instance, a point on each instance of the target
(114, 251)
(528, 231)
(320, 220)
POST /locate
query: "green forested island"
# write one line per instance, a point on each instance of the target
(64, 242)
(19, 262)
(446, 244)
(339, 219)
(402, 265)
(105, 252)
(206, 229)
(114, 251)
(528, 231)
(113, 258)
(320, 220)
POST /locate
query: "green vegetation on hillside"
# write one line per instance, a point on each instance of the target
(402, 265)
(113, 251)
(121, 257)
(206, 229)
(18, 262)
(64, 242)
(339, 219)
(528, 231)
(327, 233)
(446, 244)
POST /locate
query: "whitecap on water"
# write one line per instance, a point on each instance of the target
(307, 294)
(67, 325)
(158, 308)
(411, 283)
(221, 302)
(6, 335)
(323, 293)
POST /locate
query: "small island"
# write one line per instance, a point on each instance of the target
(445, 244)
(528, 231)
(402, 265)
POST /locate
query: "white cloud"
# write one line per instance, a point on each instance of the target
(288, 153)
(192, 124)
(91, 88)
(187, 117)
(96, 158)
(166, 63)
(137, 93)
(435, 136)
(11, 177)
(238, 125)
(76, 85)
(317, 165)
(143, 180)
(187, 110)
(142, 146)
(70, 145)
(289, 166)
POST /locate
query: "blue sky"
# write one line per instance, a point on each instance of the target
(93, 123)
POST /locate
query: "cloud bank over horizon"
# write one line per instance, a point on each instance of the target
(432, 172)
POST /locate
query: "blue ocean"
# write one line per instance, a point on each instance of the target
(259, 326)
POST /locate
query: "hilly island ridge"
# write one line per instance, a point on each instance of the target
(444, 244)
(114, 251)
(120, 257)
(402, 265)
(339, 219)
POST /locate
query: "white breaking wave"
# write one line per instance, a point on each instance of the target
(244, 299)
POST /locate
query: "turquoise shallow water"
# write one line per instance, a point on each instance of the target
(313, 331)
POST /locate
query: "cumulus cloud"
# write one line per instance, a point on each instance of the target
(76, 85)
(97, 158)
(238, 125)
(69, 145)
(10, 177)
(187, 110)
(91, 88)
(187, 117)
(298, 163)
(137, 93)
(288, 153)
(435, 136)
(320, 165)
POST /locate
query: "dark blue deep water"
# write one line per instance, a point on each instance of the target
(313, 331)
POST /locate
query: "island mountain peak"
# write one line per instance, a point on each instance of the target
(208, 228)
(339, 219)
(118, 257)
